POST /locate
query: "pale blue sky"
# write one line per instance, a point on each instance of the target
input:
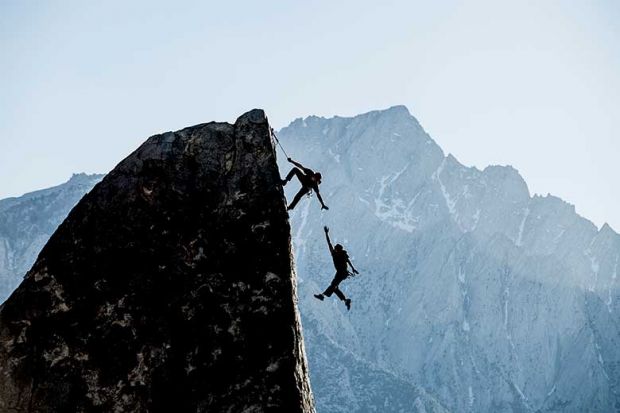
(534, 84)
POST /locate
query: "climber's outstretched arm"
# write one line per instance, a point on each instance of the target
(331, 248)
(307, 171)
(297, 164)
(318, 195)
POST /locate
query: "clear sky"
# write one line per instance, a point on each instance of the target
(534, 84)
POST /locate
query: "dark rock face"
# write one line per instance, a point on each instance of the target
(169, 288)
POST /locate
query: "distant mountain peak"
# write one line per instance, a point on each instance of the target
(82, 176)
(472, 288)
(398, 109)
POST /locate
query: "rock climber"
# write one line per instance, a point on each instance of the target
(309, 180)
(341, 260)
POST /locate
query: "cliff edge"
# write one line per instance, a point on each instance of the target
(169, 287)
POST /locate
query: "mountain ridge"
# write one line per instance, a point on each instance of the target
(467, 277)
(79, 178)
(396, 111)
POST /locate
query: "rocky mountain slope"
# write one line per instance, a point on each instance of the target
(169, 287)
(491, 299)
(27, 222)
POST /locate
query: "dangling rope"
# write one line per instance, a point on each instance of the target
(273, 133)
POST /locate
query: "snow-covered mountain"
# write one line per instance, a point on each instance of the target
(473, 296)
(27, 222)
(489, 298)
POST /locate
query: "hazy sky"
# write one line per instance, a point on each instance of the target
(534, 84)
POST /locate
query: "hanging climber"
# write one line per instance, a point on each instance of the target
(341, 260)
(309, 180)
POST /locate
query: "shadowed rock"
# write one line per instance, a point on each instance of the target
(169, 287)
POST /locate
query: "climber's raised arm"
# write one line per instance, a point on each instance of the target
(297, 164)
(307, 171)
(331, 248)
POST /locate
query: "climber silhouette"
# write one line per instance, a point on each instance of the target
(309, 180)
(341, 259)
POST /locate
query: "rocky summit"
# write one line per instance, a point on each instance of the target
(168, 288)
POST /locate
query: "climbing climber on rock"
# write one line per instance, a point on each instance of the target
(341, 262)
(309, 180)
